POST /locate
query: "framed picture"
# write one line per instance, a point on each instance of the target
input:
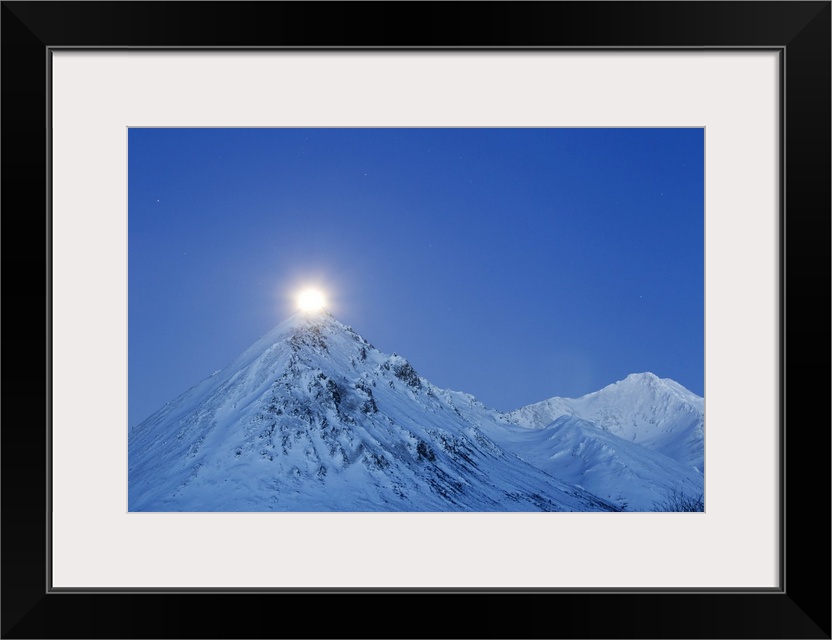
(77, 77)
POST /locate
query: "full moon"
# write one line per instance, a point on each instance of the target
(311, 300)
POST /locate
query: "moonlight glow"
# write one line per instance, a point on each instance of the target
(311, 300)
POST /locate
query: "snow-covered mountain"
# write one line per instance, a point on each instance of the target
(634, 442)
(656, 413)
(314, 418)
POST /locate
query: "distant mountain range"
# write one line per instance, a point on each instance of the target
(313, 418)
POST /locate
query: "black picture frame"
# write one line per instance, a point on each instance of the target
(799, 608)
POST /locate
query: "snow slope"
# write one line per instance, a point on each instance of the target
(581, 453)
(314, 418)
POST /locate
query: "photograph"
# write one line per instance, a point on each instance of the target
(416, 319)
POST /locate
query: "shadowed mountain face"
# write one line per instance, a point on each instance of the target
(314, 418)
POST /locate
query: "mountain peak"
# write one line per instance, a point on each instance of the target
(644, 380)
(646, 376)
(652, 383)
(301, 320)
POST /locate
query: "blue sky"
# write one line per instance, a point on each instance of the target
(513, 264)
